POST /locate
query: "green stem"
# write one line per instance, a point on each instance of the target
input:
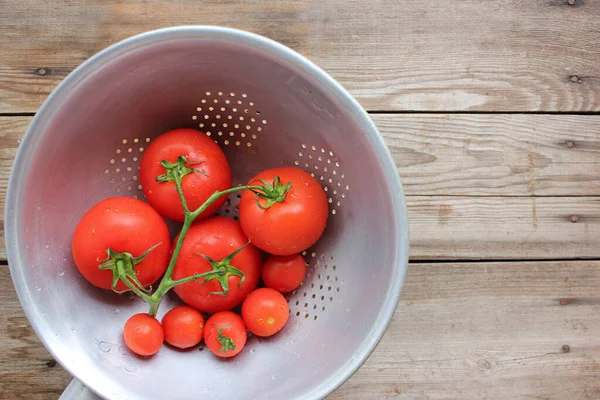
(167, 283)
(272, 193)
(194, 277)
(131, 285)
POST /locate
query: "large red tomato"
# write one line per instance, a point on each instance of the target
(292, 225)
(217, 238)
(121, 224)
(207, 166)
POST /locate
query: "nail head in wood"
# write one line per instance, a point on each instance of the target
(574, 218)
(571, 2)
(570, 143)
(566, 348)
(42, 71)
(564, 302)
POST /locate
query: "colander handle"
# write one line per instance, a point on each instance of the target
(78, 391)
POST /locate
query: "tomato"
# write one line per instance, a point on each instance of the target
(284, 273)
(211, 172)
(290, 226)
(265, 311)
(143, 334)
(121, 224)
(225, 334)
(217, 238)
(183, 327)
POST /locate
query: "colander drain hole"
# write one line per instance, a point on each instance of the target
(229, 116)
(125, 169)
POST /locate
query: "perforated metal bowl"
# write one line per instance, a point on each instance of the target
(266, 106)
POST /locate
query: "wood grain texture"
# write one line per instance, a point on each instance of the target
(462, 331)
(541, 55)
(27, 370)
(455, 228)
(469, 156)
(499, 155)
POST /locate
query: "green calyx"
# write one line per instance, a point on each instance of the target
(271, 192)
(122, 266)
(178, 169)
(221, 271)
(226, 342)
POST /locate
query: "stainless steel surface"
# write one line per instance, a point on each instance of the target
(271, 107)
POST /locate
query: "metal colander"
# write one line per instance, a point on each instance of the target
(266, 106)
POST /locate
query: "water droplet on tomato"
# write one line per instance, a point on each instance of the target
(260, 321)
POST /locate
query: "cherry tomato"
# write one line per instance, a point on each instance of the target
(287, 227)
(121, 224)
(183, 327)
(217, 238)
(210, 172)
(143, 334)
(225, 334)
(265, 311)
(284, 273)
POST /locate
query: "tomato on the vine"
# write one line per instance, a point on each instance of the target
(265, 311)
(225, 334)
(183, 327)
(291, 224)
(143, 334)
(284, 273)
(124, 226)
(204, 168)
(208, 246)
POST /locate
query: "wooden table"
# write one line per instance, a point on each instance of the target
(492, 112)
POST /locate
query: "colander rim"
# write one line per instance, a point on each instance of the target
(52, 105)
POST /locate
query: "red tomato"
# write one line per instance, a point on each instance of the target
(217, 238)
(284, 273)
(143, 334)
(122, 224)
(287, 227)
(183, 327)
(265, 311)
(225, 334)
(203, 154)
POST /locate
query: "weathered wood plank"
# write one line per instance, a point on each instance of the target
(469, 331)
(454, 228)
(489, 331)
(474, 155)
(500, 155)
(410, 55)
